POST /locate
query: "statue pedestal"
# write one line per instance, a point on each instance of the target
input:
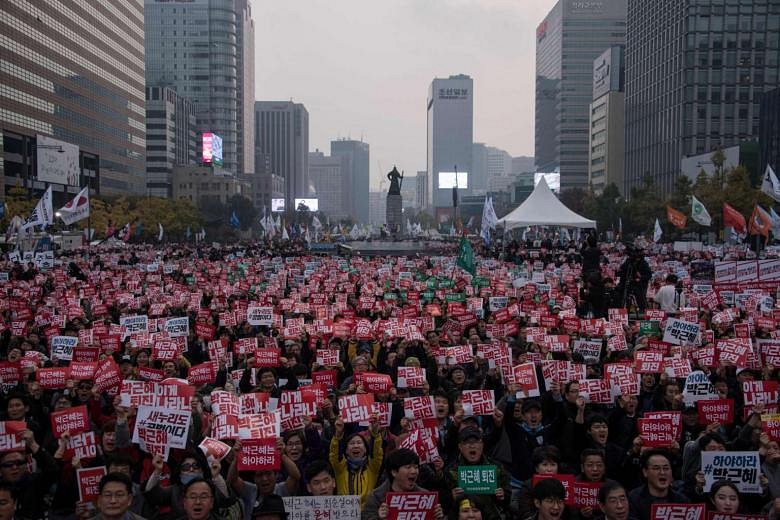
(393, 213)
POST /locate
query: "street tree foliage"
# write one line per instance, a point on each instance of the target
(647, 202)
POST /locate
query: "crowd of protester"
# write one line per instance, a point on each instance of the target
(381, 316)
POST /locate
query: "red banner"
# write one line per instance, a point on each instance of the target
(73, 420)
(259, 455)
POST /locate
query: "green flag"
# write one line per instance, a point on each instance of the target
(466, 257)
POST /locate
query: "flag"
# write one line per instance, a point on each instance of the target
(733, 218)
(676, 218)
(760, 222)
(89, 233)
(770, 185)
(43, 214)
(565, 236)
(161, 233)
(189, 232)
(657, 232)
(699, 213)
(775, 222)
(139, 229)
(202, 234)
(620, 225)
(125, 232)
(315, 222)
(489, 220)
(285, 236)
(13, 227)
(234, 220)
(466, 257)
(76, 209)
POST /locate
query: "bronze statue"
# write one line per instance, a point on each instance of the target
(395, 186)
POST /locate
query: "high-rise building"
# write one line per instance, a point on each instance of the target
(769, 130)
(377, 208)
(422, 188)
(522, 164)
(357, 176)
(607, 123)
(203, 49)
(450, 141)
(73, 71)
(573, 34)
(282, 132)
(694, 75)
(170, 138)
(409, 192)
(328, 176)
(479, 167)
(499, 162)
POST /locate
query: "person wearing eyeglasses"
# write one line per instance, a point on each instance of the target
(657, 471)
(115, 497)
(549, 495)
(31, 487)
(199, 500)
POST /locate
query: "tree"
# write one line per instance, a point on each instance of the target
(244, 209)
(647, 204)
(17, 203)
(574, 199)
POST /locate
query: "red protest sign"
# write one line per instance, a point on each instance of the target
(421, 407)
(656, 433)
(716, 411)
(166, 350)
(411, 377)
(649, 361)
(586, 494)
(81, 371)
(677, 511)
(10, 439)
(107, 376)
(203, 374)
(206, 331)
(150, 374)
(259, 455)
(82, 446)
(356, 407)
(407, 506)
(478, 402)
(214, 449)
(526, 380)
(329, 378)
(760, 392)
(267, 357)
(89, 482)
(10, 373)
(53, 378)
(373, 382)
(73, 420)
(770, 424)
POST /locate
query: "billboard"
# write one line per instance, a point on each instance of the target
(56, 161)
(691, 166)
(447, 180)
(277, 205)
(212, 149)
(607, 72)
(307, 205)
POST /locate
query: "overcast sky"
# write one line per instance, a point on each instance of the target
(362, 68)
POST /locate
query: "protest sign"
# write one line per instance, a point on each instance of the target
(743, 468)
(356, 407)
(656, 433)
(73, 420)
(260, 315)
(154, 441)
(260, 425)
(203, 374)
(680, 332)
(648, 361)
(586, 494)
(770, 424)
(176, 423)
(661, 511)
(62, 347)
(596, 391)
(10, 438)
(259, 455)
(267, 357)
(421, 407)
(526, 380)
(411, 377)
(422, 441)
(478, 480)
(373, 382)
(478, 402)
(177, 327)
(760, 392)
(107, 375)
(698, 388)
(134, 324)
(81, 446)
(328, 357)
(719, 411)
(589, 349)
(294, 406)
(53, 378)
(337, 507)
(89, 481)
(411, 506)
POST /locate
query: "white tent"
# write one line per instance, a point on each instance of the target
(542, 208)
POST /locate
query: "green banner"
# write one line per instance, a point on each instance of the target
(480, 281)
(455, 297)
(478, 480)
(649, 328)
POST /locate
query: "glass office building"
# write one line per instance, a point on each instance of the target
(695, 73)
(74, 71)
(572, 35)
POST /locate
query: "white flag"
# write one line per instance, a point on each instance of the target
(657, 232)
(489, 219)
(315, 222)
(76, 209)
(775, 222)
(770, 185)
(43, 214)
(699, 213)
(161, 233)
(285, 236)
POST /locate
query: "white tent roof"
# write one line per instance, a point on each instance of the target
(542, 208)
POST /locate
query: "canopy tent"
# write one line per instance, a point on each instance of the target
(542, 208)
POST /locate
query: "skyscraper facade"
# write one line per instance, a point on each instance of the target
(170, 138)
(450, 141)
(573, 34)
(203, 49)
(695, 72)
(357, 176)
(282, 132)
(74, 71)
(327, 175)
(607, 122)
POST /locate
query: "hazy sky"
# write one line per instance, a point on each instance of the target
(363, 68)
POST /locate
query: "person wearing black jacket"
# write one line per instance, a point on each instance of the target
(634, 276)
(31, 487)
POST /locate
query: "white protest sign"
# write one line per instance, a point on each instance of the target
(257, 315)
(338, 507)
(134, 324)
(62, 347)
(679, 332)
(698, 388)
(177, 327)
(740, 467)
(176, 423)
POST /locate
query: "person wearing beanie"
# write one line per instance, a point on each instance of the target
(357, 465)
